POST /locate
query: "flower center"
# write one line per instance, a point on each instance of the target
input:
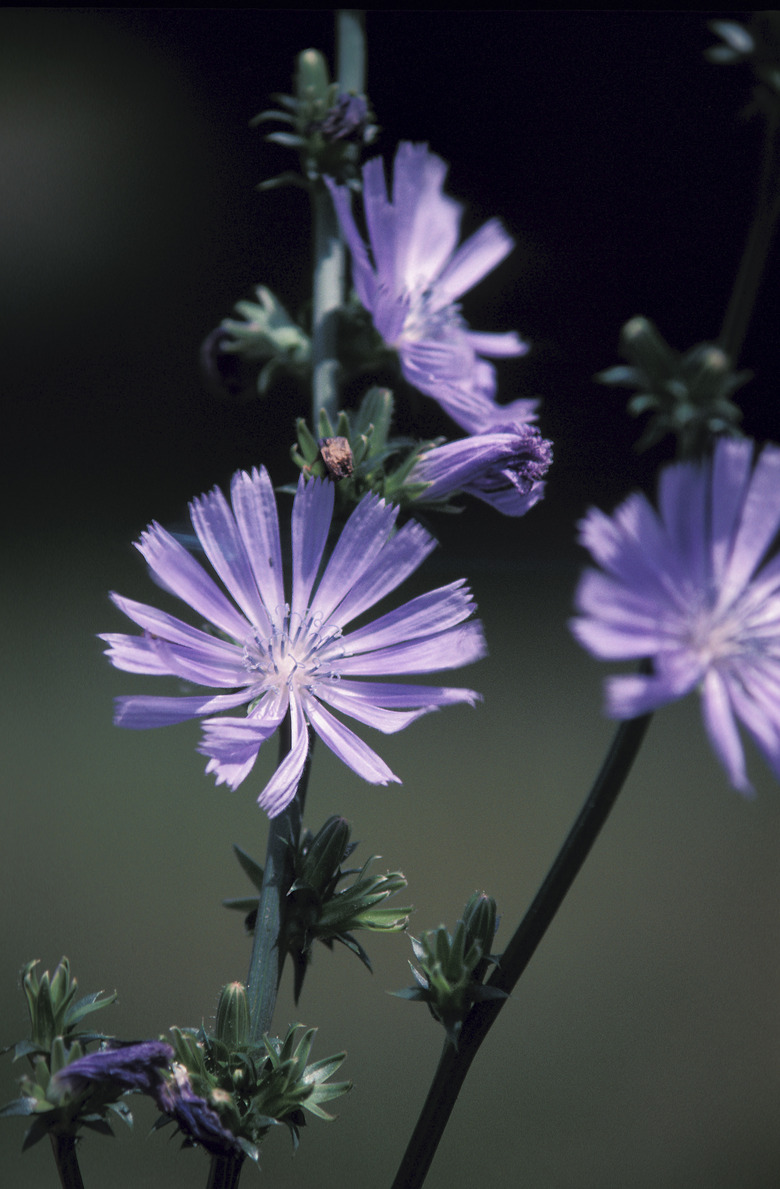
(719, 634)
(291, 657)
(424, 320)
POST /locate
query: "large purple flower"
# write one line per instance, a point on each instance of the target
(504, 467)
(690, 587)
(418, 273)
(289, 658)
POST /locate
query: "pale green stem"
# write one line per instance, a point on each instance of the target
(329, 250)
(328, 297)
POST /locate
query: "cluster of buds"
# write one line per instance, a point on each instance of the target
(451, 967)
(317, 908)
(359, 454)
(226, 1092)
(56, 1104)
(328, 126)
(687, 395)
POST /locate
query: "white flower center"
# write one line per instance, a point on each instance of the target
(424, 321)
(291, 658)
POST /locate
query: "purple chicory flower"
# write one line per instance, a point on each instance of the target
(504, 467)
(691, 587)
(195, 1118)
(418, 273)
(124, 1067)
(290, 658)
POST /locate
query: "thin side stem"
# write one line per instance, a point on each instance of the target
(64, 1150)
(754, 257)
(455, 1064)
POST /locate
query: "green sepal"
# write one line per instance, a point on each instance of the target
(19, 1106)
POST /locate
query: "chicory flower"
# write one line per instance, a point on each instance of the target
(416, 273)
(691, 587)
(291, 658)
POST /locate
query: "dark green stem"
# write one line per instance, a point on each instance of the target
(64, 1149)
(225, 1171)
(754, 256)
(455, 1064)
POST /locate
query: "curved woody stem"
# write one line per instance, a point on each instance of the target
(455, 1063)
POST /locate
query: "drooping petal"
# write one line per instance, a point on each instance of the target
(232, 745)
(283, 785)
(348, 746)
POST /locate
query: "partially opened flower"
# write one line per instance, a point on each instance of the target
(288, 658)
(504, 467)
(691, 587)
(417, 274)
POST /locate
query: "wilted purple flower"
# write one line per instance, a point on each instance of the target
(418, 273)
(504, 467)
(123, 1067)
(285, 657)
(690, 587)
(195, 1118)
(347, 119)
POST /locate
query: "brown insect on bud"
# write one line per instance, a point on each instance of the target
(337, 456)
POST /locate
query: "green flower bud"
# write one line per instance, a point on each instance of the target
(688, 395)
(312, 81)
(232, 1026)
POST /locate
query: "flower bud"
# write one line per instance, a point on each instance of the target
(232, 1026)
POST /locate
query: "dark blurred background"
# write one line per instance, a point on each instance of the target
(642, 1048)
